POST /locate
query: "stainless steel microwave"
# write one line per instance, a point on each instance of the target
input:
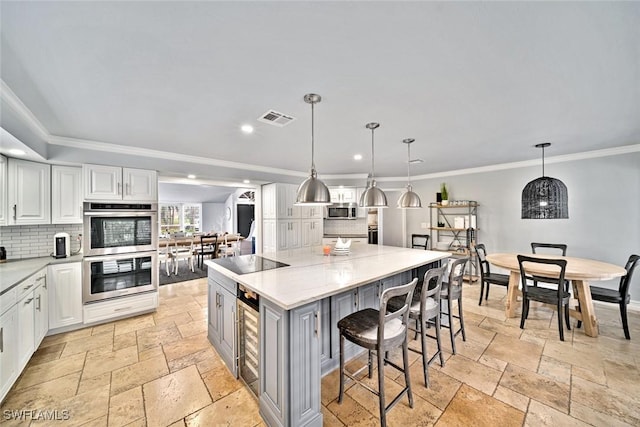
(342, 212)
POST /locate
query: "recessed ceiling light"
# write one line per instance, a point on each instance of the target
(246, 181)
(191, 176)
(17, 152)
(357, 157)
(247, 128)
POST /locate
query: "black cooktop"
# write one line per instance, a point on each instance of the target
(245, 264)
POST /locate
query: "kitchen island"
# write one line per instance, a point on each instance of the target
(299, 307)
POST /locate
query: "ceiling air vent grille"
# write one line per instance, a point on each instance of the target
(275, 118)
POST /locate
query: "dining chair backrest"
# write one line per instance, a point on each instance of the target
(554, 276)
(456, 277)
(558, 246)
(419, 241)
(405, 291)
(625, 281)
(481, 251)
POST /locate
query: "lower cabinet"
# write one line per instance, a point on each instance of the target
(41, 312)
(65, 294)
(8, 350)
(120, 307)
(222, 319)
(26, 328)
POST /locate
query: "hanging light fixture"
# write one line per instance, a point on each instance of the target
(372, 197)
(545, 197)
(409, 199)
(312, 191)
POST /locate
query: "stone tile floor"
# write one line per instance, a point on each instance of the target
(159, 370)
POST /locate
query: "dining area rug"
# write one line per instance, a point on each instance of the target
(184, 274)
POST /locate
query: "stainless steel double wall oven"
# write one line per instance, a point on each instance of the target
(120, 250)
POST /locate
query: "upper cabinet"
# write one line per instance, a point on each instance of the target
(3, 190)
(29, 193)
(343, 195)
(114, 183)
(66, 195)
(286, 195)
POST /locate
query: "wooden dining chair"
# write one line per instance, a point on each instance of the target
(557, 296)
(419, 241)
(486, 276)
(618, 296)
(183, 251)
(203, 249)
(553, 248)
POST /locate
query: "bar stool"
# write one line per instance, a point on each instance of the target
(425, 310)
(377, 330)
(452, 290)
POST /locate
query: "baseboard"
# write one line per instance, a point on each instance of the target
(632, 306)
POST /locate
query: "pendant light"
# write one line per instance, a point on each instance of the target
(312, 191)
(373, 197)
(409, 199)
(545, 197)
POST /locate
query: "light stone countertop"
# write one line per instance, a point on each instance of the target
(312, 276)
(14, 271)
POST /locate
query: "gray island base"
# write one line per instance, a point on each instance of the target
(299, 307)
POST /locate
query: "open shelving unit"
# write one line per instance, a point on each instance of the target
(454, 229)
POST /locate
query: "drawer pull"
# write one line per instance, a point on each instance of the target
(28, 301)
(123, 308)
(27, 287)
(1, 340)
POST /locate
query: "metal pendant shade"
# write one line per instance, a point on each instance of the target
(545, 197)
(312, 191)
(372, 197)
(409, 199)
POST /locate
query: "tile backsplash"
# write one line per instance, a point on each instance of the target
(346, 226)
(31, 241)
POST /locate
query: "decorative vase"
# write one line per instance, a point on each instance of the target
(445, 203)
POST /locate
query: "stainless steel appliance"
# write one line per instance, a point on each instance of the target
(115, 228)
(248, 338)
(112, 276)
(349, 211)
(61, 245)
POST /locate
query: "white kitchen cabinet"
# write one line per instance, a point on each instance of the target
(313, 212)
(65, 294)
(311, 232)
(269, 210)
(269, 235)
(29, 193)
(331, 241)
(41, 312)
(120, 307)
(26, 328)
(288, 234)
(3, 190)
(286, 195)
(66, 195)
(343, 195)
(8, 350)
(115, 183)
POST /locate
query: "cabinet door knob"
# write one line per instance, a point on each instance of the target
(15, 212)
(1, 340)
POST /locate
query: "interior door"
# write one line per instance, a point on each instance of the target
(246, 215)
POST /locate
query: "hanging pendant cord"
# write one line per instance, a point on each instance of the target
(408, 164)
(313, 165)
(372, 170)
(543, 160)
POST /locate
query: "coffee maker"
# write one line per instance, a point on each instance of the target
(61, 245)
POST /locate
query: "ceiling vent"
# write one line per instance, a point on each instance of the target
(275, 118)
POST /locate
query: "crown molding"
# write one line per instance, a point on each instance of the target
(12, 100)
(616, 151)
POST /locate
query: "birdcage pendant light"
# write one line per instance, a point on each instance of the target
(313, 191)
(372, 197)
(545, 197)
(409, 199)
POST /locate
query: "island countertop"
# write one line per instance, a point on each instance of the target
(312, 276)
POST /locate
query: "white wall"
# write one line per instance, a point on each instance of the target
(604, 209)
(213, 217)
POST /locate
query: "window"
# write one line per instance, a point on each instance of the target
(180, 217)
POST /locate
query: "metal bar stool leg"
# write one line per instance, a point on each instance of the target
(342, 369)
(381, 401)
(464, 336)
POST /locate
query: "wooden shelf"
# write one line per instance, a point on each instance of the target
(450, 229)
(468, 205)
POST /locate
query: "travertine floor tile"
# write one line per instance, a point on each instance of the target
(555, 369)
(66, 336)
(220, 382)
(543, 415)
(86, 407)
(46, 354)
(623, 377)
(126, 407)
(124, 340)
(174, 396)
(134, 324)
(157, 335)
(87, 343)
(441, 388)
(42, 395)
(227, 409)
(186, 346)
(50, 370)
(135, 375)
(619, 405)
(512, 350)
(351, 413)
(104, 362)
(330, 420)
(94, 383)
(193, 328)
(472, 407)
(536, 386)
(512, 398)
(472, 373)
(500, 327)
(593, 417)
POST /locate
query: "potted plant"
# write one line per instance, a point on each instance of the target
(445, 195)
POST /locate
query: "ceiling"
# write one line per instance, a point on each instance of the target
(167, 85)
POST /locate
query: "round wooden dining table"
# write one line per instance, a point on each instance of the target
(580, 271)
